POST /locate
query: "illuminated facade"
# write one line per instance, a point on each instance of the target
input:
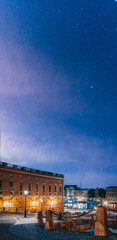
(45, 189)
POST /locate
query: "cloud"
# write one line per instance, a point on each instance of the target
(25, 75)
(80, 158)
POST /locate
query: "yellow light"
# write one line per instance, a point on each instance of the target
(34, 203)
(105, 203)
(6, 204)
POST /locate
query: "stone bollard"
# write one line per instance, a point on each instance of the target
(39, 219)
(101, 223)
(67, 217)
(49, 225)
(60, 216)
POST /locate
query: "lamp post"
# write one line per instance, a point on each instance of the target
(25, 193)
(41, 203)
(51, 204)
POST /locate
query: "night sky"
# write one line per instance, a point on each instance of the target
(58, 87)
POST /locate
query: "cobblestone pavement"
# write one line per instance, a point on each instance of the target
(26, 228)
(6, 221)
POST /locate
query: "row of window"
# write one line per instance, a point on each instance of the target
(11, 185)
(21, 193)
(29, 178)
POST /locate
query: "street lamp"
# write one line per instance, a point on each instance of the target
(25, 193)
(51, 204)
(41, 203)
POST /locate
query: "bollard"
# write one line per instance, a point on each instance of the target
(49, 221)
(39, 219)
(60, 216)
(67, 217)
(101, 223)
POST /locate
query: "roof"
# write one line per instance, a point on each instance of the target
(72, 186)
(112, 187)
(4, 165)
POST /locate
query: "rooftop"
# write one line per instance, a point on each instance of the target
(29, 170)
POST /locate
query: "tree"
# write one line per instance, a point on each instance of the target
(91, 193)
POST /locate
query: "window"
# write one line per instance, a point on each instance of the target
(29, 177)
(36, 193)
(49, 180)
(43, 179)
(36, 187)
(55, 188)
(21, 186)
(0, 193)
(0, 184)
(0, 173)
(36, 178)
(11, 193)
(11, 185)
(60, 181)
(29, 186)
(20, 193)
(55, 180)
(20, 176)
(11, 175)
(60, 189)
(43, 188)
(49, 188)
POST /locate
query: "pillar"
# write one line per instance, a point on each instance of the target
(49, 220)
(39, 218)
(101, 223)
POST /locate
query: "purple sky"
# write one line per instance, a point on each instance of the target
(58, 88)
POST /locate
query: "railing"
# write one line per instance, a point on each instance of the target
(25, 169)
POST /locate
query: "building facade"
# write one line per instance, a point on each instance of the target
(111, 193)
(45, 189)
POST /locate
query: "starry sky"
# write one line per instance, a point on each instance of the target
(58, 88)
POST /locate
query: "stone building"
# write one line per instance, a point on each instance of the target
(111, 193)
(45, 189)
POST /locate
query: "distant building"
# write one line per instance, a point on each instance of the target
(72, 191)
(111, 193)
(45, 189)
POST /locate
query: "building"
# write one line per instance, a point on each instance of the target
(45, 189)
(111, 193)
(72, 191)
